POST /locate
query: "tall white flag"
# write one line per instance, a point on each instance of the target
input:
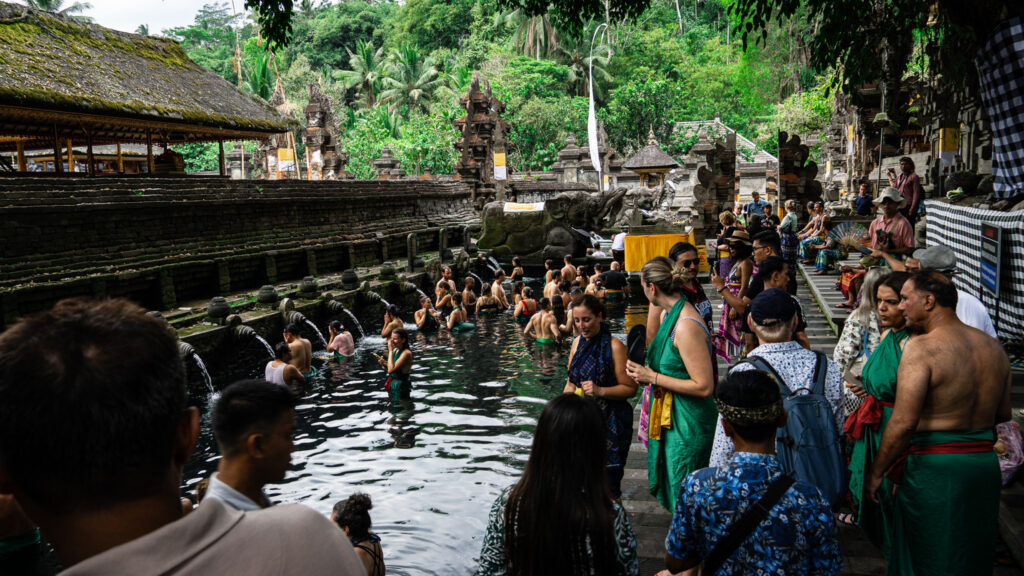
(595, 156)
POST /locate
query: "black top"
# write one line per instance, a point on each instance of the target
(614, 280)
(756, 287)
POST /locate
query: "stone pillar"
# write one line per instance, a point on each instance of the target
(411, 245)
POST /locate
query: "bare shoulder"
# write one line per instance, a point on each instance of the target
(617, 345)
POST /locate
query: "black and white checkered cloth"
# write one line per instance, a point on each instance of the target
(959, 228)
(1001, 69)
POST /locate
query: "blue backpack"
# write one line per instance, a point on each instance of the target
(808, 446)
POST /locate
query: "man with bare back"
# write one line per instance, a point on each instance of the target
(543, 326)
(954, 387)
(568, 271)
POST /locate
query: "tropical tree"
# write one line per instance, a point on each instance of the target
(574, 52)
(411, 79)
(456, 83)
(73, 9)
(367, 71)
(259, 77)
(535, 35)
(142, 30)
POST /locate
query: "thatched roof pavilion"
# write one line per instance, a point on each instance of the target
(651, 162)
(64, 81)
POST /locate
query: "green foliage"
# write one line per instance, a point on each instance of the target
(203, 156)
(325, 37)
(525, 77)
(73, 9)
(540, 127)
(427, 144)
(639, 106)
(433, 24)
(259, 77)
(411, 79)
(210, 40)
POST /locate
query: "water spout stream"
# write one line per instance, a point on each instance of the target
(319, 335)
(270, 351)
(202, 368)
(362, 333)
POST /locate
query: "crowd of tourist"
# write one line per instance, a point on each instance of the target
(757, 464)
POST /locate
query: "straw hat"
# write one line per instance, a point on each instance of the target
(890, 193)
(740, 236)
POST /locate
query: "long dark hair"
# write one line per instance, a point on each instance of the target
(559, 515)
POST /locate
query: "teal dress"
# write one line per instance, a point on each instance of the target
(399, 386)
(685, 445)
(462, 326)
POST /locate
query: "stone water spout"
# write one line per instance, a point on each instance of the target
(243, 333)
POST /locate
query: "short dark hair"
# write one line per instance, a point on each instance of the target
(894, 281)
(245, 407)
(280, 349)
(769, 266)
(544, 303)
(565, 286)
(749, 389)
(938, 285)
(678, 249)
(549, 263)
(354, 513)
(291, 328)
(335, 325)
(93, 394)
(771, 239)
(457, 298)
(392, 310)
(568, 257)
(909, 161)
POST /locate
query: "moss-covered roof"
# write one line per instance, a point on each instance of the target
(56, 63)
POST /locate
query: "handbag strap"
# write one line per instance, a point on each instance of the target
(743, 527)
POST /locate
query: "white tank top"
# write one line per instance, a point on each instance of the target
(275, 375)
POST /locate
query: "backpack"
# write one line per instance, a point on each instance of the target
(808, 446)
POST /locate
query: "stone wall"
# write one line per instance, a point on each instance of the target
(164, 241)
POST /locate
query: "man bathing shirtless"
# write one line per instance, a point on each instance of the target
(543, 326)
(302, 350)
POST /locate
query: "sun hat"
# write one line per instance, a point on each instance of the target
(740, 236)
(890, 193)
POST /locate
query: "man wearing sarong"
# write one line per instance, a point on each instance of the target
(954, 387)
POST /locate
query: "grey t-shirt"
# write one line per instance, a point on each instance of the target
(218, 490)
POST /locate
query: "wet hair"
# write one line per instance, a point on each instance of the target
(527, 292)
(664, 274)
(470, 281)
(556, 275)
(769, 266)
(749, 389)
(564, 286)
(517, 288)
(575, 284)
(499, 273)
(515, 260)
(558, 309)
(938, 285)
(336, 325)
(404, 335)
(457, 298)
(248, 407)
(446, 269)
(567, 258)
(392, 310)
(894, 282)
(559, 516)
(291, 328)
(869, 294)
(592, 303)
(770, 238)
(281, 349)
(680, 248)
(544, 303)
(727, 218)
(549, 263)
(354, 513)
(485, 290)
(93, 393)
(598, 267)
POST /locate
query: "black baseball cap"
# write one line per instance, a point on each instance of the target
(771, 307)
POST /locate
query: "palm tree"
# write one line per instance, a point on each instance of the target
(259, 76)
(456, 82)
(535, 35)
(574, 52)
(73, 10)
(366, 73)
(411, 79)
(142, 30)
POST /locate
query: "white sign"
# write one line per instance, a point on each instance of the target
(500, 173)
(516, 207)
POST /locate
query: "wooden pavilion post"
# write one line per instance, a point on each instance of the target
(295, 156)
(150, 164)
(58, 166)
(22, 167)
(220, 158)
(243, 160)
(120, 160)
(71, 156)
(90, 159)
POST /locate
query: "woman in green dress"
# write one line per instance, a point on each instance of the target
(398, 364)
(679, 370)
(867, 424)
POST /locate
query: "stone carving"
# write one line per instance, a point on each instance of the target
(482, 134)
(796, 171)
(574, 164)
(387, 167)
(716, 185)
(323, 137)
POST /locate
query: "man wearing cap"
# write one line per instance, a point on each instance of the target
(619, 245)
(891, 233)
(773, 319)
(942, 259)
(954, 387)
(797, 532)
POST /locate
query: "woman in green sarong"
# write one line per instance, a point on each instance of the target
(398, 364)
(867, 424)
(679, 369)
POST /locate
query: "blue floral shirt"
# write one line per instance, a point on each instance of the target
(798, 537)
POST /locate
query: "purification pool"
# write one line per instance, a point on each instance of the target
(433, 477)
